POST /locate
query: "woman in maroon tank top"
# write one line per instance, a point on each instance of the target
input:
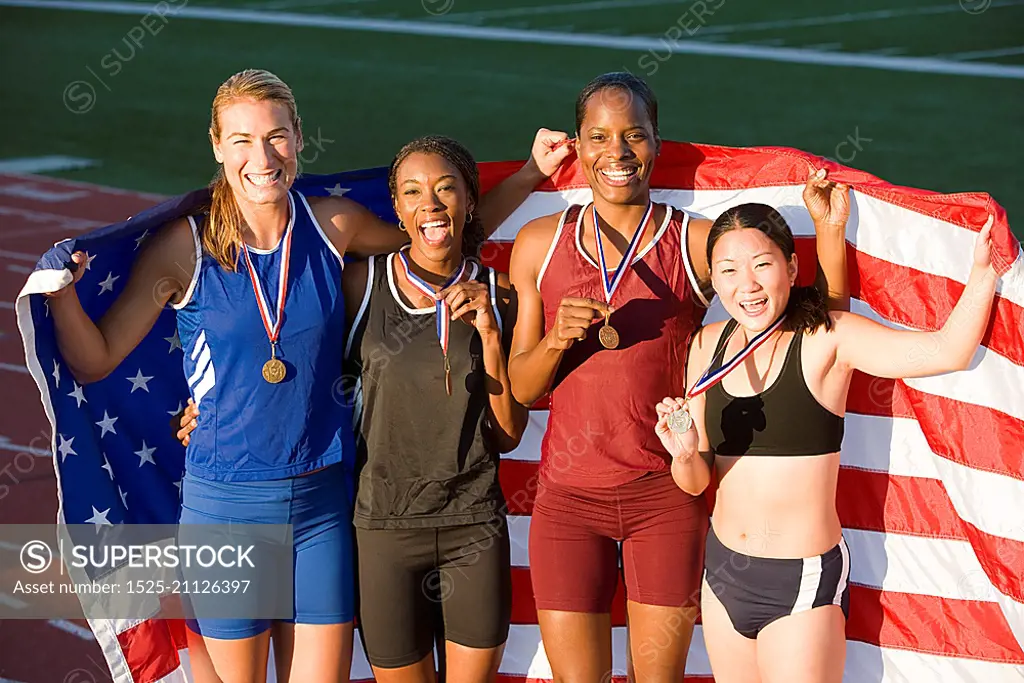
(605, 496)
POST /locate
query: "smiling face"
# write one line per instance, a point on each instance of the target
(617, 146)
(432, 201)
(752, 277)
(258, 143)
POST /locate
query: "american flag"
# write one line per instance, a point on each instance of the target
(931, 486)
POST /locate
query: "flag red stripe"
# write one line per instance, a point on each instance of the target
(963, 628)
(924, 301)
(968, 434)
(151, 649)
(1002, 559)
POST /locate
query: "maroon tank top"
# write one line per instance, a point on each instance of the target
(601, 427)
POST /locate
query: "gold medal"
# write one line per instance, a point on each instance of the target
(608, 336)
(274, 371)
(447, 376)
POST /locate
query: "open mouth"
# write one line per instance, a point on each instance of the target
(620, 176)
(436, 232)
(755, 307)
(263, 179)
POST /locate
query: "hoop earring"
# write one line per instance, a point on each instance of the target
(401, 225)
(469, 218)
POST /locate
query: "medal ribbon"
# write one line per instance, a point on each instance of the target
(711, 378)
(273, 329)
(441, 306)
(610, 286)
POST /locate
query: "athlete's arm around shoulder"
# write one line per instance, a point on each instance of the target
(161, 275)
(354, 229)
(531, 363)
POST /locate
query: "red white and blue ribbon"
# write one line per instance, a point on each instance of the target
(713, 377)
(441, 306)
(627, 259)
(273, 327)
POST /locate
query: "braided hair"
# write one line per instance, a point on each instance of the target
(459, 157)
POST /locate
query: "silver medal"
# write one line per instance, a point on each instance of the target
(680, 421)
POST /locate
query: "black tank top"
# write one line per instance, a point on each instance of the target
(784, 419)
(422, 458)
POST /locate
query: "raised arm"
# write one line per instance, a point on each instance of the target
(829, 206)
(550, 148)
(162, 272)
(535, 355)
(865, 345)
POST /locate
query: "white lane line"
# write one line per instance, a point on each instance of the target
(629, 43)
(11, 601)
(9, 305)
(20, 256)
(6, 445)
(73, 629)
(13, 368)
(985, 54)
(850, 17)
(19, 269)
(5, 545)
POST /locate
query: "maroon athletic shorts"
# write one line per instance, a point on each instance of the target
(575, 553)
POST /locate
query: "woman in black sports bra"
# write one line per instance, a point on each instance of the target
(767, 400)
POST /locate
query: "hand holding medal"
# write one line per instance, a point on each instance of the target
(675, 428)
(574, 317)
(675, 424)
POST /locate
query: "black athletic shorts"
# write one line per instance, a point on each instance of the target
(415, 582)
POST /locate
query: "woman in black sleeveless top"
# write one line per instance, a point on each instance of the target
(433, 408)
(777, 570)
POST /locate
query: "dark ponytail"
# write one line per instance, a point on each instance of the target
(807, 309)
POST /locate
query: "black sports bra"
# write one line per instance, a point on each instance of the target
(784, 419)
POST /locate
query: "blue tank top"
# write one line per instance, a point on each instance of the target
(249, 429)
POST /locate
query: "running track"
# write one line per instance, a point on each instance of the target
(35, 212)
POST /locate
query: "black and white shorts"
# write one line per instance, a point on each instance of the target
(756, 591)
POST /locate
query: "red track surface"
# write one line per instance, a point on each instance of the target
(35, 212)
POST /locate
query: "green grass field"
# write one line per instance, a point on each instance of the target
(362, 94)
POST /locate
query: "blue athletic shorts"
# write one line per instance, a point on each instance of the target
(319, 508)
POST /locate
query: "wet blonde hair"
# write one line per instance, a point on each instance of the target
(222, 234)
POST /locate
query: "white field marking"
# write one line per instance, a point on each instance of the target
(985, 54)
(291, 4)
(628, 43)
(565, 8)
(848, 17)
(5, 545)
(8, 305)
(12, 602)
(19, 269)
(47, 164)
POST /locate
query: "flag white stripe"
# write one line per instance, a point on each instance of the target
(870, 663)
